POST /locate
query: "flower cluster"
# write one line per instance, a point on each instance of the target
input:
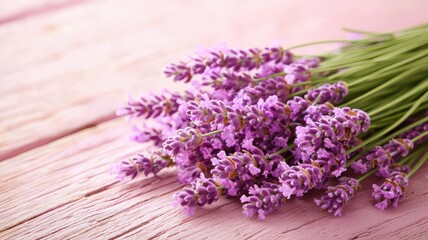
(260, 129)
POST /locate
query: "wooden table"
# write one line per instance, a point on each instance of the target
(66, 65)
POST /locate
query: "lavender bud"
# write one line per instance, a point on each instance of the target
(338, 196)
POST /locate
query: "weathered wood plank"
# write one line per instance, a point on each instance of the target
(71, 68)
(12, 11)
(73, 56)
(62, 191)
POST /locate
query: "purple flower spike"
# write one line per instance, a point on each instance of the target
(239, 170)
(314, 113)
(299, 179)
(226, 59)
(153, 106)
(298, 106)
(320, 143)
(338, 196)
(146, 134)
(328, 93)
(262, 200)
(186, 139)
(391, 191)
(273, 86)
(204, 191)
(142, 163)
(383, 156)
(412, 133)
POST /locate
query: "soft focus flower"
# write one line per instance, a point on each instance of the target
(185, 139)
(203, 191)
(227, 59)
(262, 200)
(383, 156)
(299, 179)
(338, 196)
(153, 106)
(333, 93)
(391, 191)
(142, 163)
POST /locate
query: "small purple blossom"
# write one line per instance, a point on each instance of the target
(204, 191)
(146, 134)
(383, 156)
(153, 106)
(262, 200)
(299, 179)
(412, 133)
(315, 112)
(142, 163)
(338, 196)
(391, 191)
(241, 168)
(227, 59)
(333, 93)
(184, 140)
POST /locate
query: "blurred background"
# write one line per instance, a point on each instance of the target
(68, 64)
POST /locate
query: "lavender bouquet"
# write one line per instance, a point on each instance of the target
(264, 125)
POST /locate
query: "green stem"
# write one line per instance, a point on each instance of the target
(420, 87)
(366, 175)
(367, 33)
(384, 85)
(270, 76)
(420, 136)
(391, 127)
(317, 99)
(419, 164)
(413, 157)
(405, 129)
(284, 150)
(320, 42)
(211, 133)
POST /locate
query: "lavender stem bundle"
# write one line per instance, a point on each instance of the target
(264, 125)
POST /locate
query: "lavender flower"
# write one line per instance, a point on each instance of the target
(240, 169)
(226, 59)
(298, 106)
(204, 191)
(318, 142)
(315, 112)
(262, 200)
(184, 140)
(142, 163)
(383, 156)
(277, 86)
(226, 79)
(151, 106)
(391, 191)
(146, 134)
(299, 179)
(217, 113)
(338, 196)
(328, 93)
(323, 141)
(412, 133)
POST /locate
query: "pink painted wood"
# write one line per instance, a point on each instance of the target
(66, 65)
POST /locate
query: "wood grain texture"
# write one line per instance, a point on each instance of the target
(65, 66)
